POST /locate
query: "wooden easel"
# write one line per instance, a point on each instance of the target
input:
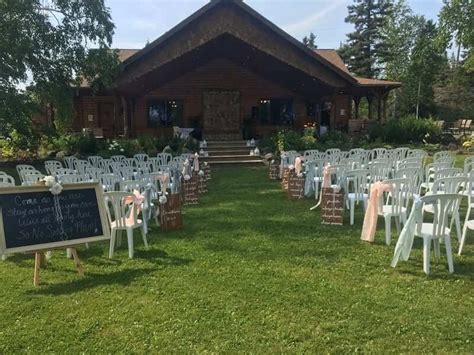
(40, 260)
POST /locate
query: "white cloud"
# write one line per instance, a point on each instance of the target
(306, 24)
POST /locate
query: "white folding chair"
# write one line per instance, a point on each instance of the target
(396, 206)
(109, 182)
(118, 158)
(443, 205)
(356, 190)
(94, 173)
(51, 166)
(141, 157)
(164, 158)
(6, 180)
(69, 162)
(81, 166)
(31, 177)
(70, 178)
(449, 185)
(123, 216)
(95, 160)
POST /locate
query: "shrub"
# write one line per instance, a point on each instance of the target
(406, 130)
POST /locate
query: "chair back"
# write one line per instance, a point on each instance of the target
(442, 154)
(6, 180)
(401, 153)
(417, 153)
(118, 158)
(380, 171)
(94, 173)
(131, 185)
(65, 171)
(118, 210)
(379, 153)
(81, 166)
(355, 182)
(109, 181)
(31, 177)
(449, 185)
(106, 165)
(310, 154)
(95, 160)
(22, 167)
(52, 165)
(70, 178)
(468, 165)
(443, 173)
(443, 206)
(400, 194)
(129, 173)
(164, 158)
(414, 175)
(69, 162)
(129, 162)
(141, 157)
(144, 167)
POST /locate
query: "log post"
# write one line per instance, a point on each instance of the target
(356, 106)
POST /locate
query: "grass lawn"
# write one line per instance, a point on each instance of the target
(250, 272)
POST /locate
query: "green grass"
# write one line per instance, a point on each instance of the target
(250, 272)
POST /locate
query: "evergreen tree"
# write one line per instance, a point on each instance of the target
(366, 45)
(310, 41)
(427, 60)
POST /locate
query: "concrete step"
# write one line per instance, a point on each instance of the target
(237, 162)
(229, 152)
(231, 158)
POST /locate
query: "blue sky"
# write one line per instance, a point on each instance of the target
(137, 21)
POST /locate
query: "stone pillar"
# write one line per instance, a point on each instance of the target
(125, 116)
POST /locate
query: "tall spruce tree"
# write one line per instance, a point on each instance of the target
(310, 41)
(366, 45)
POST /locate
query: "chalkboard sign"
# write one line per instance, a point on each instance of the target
(31, 218)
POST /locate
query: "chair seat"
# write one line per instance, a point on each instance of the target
(387, 211)
(427, 231)
(361, 197)
(129, 223)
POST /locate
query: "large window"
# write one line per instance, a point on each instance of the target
(276, 112)
(163, 113)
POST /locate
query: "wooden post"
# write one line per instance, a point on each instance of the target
(36, 274)
(356, 105)
(379, 107)
(125, 114)
(77, 262)
(384, 107)
(370, 99)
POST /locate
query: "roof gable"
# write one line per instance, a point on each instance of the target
(238, 19)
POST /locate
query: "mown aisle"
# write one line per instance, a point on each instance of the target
(251, 271)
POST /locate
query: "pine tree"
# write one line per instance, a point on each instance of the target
(366, 45)
(310, 41)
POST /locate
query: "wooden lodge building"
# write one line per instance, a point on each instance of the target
(229, 73)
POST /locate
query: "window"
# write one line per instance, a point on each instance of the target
(276, 111)
(163, 113)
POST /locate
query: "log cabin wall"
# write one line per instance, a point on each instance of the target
(219, 74)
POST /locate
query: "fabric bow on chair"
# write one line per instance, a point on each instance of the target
(371, 215)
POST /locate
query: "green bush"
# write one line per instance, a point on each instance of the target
(406, 130)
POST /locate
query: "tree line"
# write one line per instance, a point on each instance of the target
(433, 60)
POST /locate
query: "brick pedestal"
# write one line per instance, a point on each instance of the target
(190, 191)
(295, 187)
(273, 171)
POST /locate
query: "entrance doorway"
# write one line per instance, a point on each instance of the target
(221, 115)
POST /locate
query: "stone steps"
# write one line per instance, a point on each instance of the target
(230, 152)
